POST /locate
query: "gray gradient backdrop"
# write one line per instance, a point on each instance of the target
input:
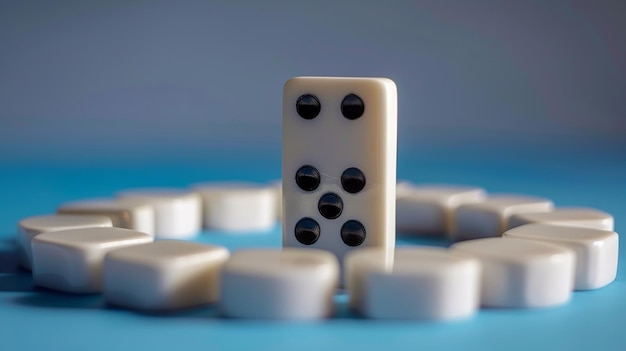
(83, 80)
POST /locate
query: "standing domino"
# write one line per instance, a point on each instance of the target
(339, 163)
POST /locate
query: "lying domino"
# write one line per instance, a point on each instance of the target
(278, 188)
(567, 216)
(163, 275)
(279, 284)
(424, 283)
(238, 207)
(30, 227)
(123, 214)
(403, 188)
(177, 213)
(339, 163)
(490, 218)
(357, 265)
(71, 260)
(596, 250)
(522, 273)
(428, 209)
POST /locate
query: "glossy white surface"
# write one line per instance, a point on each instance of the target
(177, 213)
(163, 275)
(490, 218)
(129, 215)
(428, 208)
(424, 283)
(596, 250)
(237, 207)
(357, 264)
(403, 187)
(279, 284)
(332, 143)
(30, 227)
(566, 216)
(277, 186)
(522, 273)
(71, 260)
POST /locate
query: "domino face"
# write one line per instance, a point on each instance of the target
(339, 163)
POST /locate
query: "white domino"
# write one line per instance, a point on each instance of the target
(596, 250)
(71, 260)
(428, 209)
(123, 214)
(238, 207)
(522, 273)
(163, 275)
(30, 227)
(490, 218)
(566, 216)
(177, 213)
(279, 284)
(357, 265)
(403, 187)
(424, 283)
(278, 189)
(339, 163)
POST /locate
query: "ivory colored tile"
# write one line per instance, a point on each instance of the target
(238, 207)
(123, 214)
(163, 275)
(30, 227)
(566, 216)
(429, 208)
(177, 212)
(292, 283)
(596, 250)
(339, 163)
(522, 273)
(424, 283)
(71, 260)
(490, 218)
(277, 186)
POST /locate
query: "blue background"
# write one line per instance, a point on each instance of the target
(513, 96)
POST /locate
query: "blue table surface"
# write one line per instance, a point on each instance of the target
(37, 319)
